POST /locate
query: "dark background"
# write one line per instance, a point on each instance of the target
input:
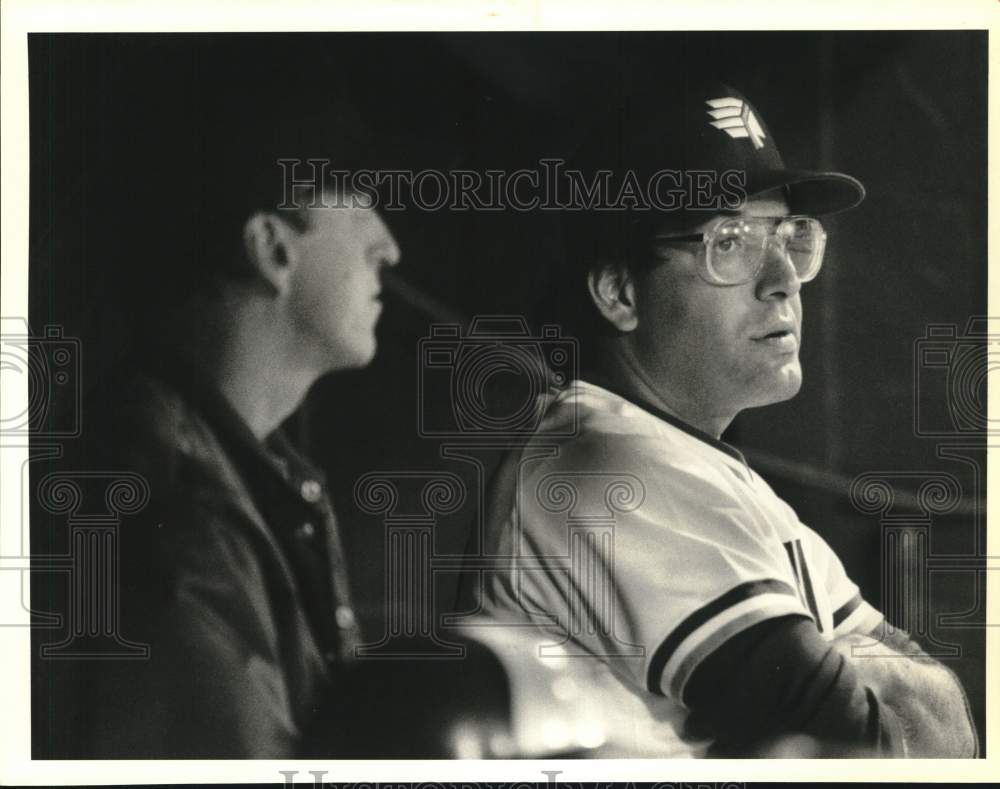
(905, 112)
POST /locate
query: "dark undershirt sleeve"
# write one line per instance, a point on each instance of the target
(781, 677)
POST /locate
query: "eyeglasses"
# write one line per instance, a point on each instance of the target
(735, 249)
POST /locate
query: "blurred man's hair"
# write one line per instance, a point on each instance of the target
(202, 144)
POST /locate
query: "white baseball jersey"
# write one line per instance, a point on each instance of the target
(645, 544)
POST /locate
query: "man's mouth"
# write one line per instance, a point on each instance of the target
(779, 339)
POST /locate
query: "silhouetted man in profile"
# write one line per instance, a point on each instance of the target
(233, 574)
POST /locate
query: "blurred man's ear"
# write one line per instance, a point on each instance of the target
(268, 241)
(612, 289)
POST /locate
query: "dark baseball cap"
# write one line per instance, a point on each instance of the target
(707, 128)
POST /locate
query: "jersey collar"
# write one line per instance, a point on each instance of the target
(677, 422)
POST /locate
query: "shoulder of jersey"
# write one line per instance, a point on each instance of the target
(584, 417)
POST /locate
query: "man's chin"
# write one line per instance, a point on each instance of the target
(782, 385)
(789, 384)
(353, 357)
(365, 354)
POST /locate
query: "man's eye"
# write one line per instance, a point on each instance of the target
(728, 245)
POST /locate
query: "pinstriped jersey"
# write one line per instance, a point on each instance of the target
(644, 544)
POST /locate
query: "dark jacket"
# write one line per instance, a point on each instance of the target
(232, 579)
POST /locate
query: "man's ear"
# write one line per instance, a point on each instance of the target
(267, 240)
(612, 289)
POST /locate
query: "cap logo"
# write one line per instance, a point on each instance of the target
(735, 118)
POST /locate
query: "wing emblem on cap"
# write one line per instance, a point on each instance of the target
(735, 118)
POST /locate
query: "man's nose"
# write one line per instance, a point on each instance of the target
(778, 276)
(387, 253)
(392, 254)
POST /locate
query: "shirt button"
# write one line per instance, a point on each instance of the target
(311, 491)
(344, 616)
(331, 656)
(305, 531)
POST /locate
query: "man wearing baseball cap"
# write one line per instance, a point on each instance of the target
(643, 540)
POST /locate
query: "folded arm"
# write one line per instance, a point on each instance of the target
(781, 678)
(925, 696)
(853, 696)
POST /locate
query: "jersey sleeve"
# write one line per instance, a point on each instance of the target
(782, 677)
(648, 564)
(851, 612)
